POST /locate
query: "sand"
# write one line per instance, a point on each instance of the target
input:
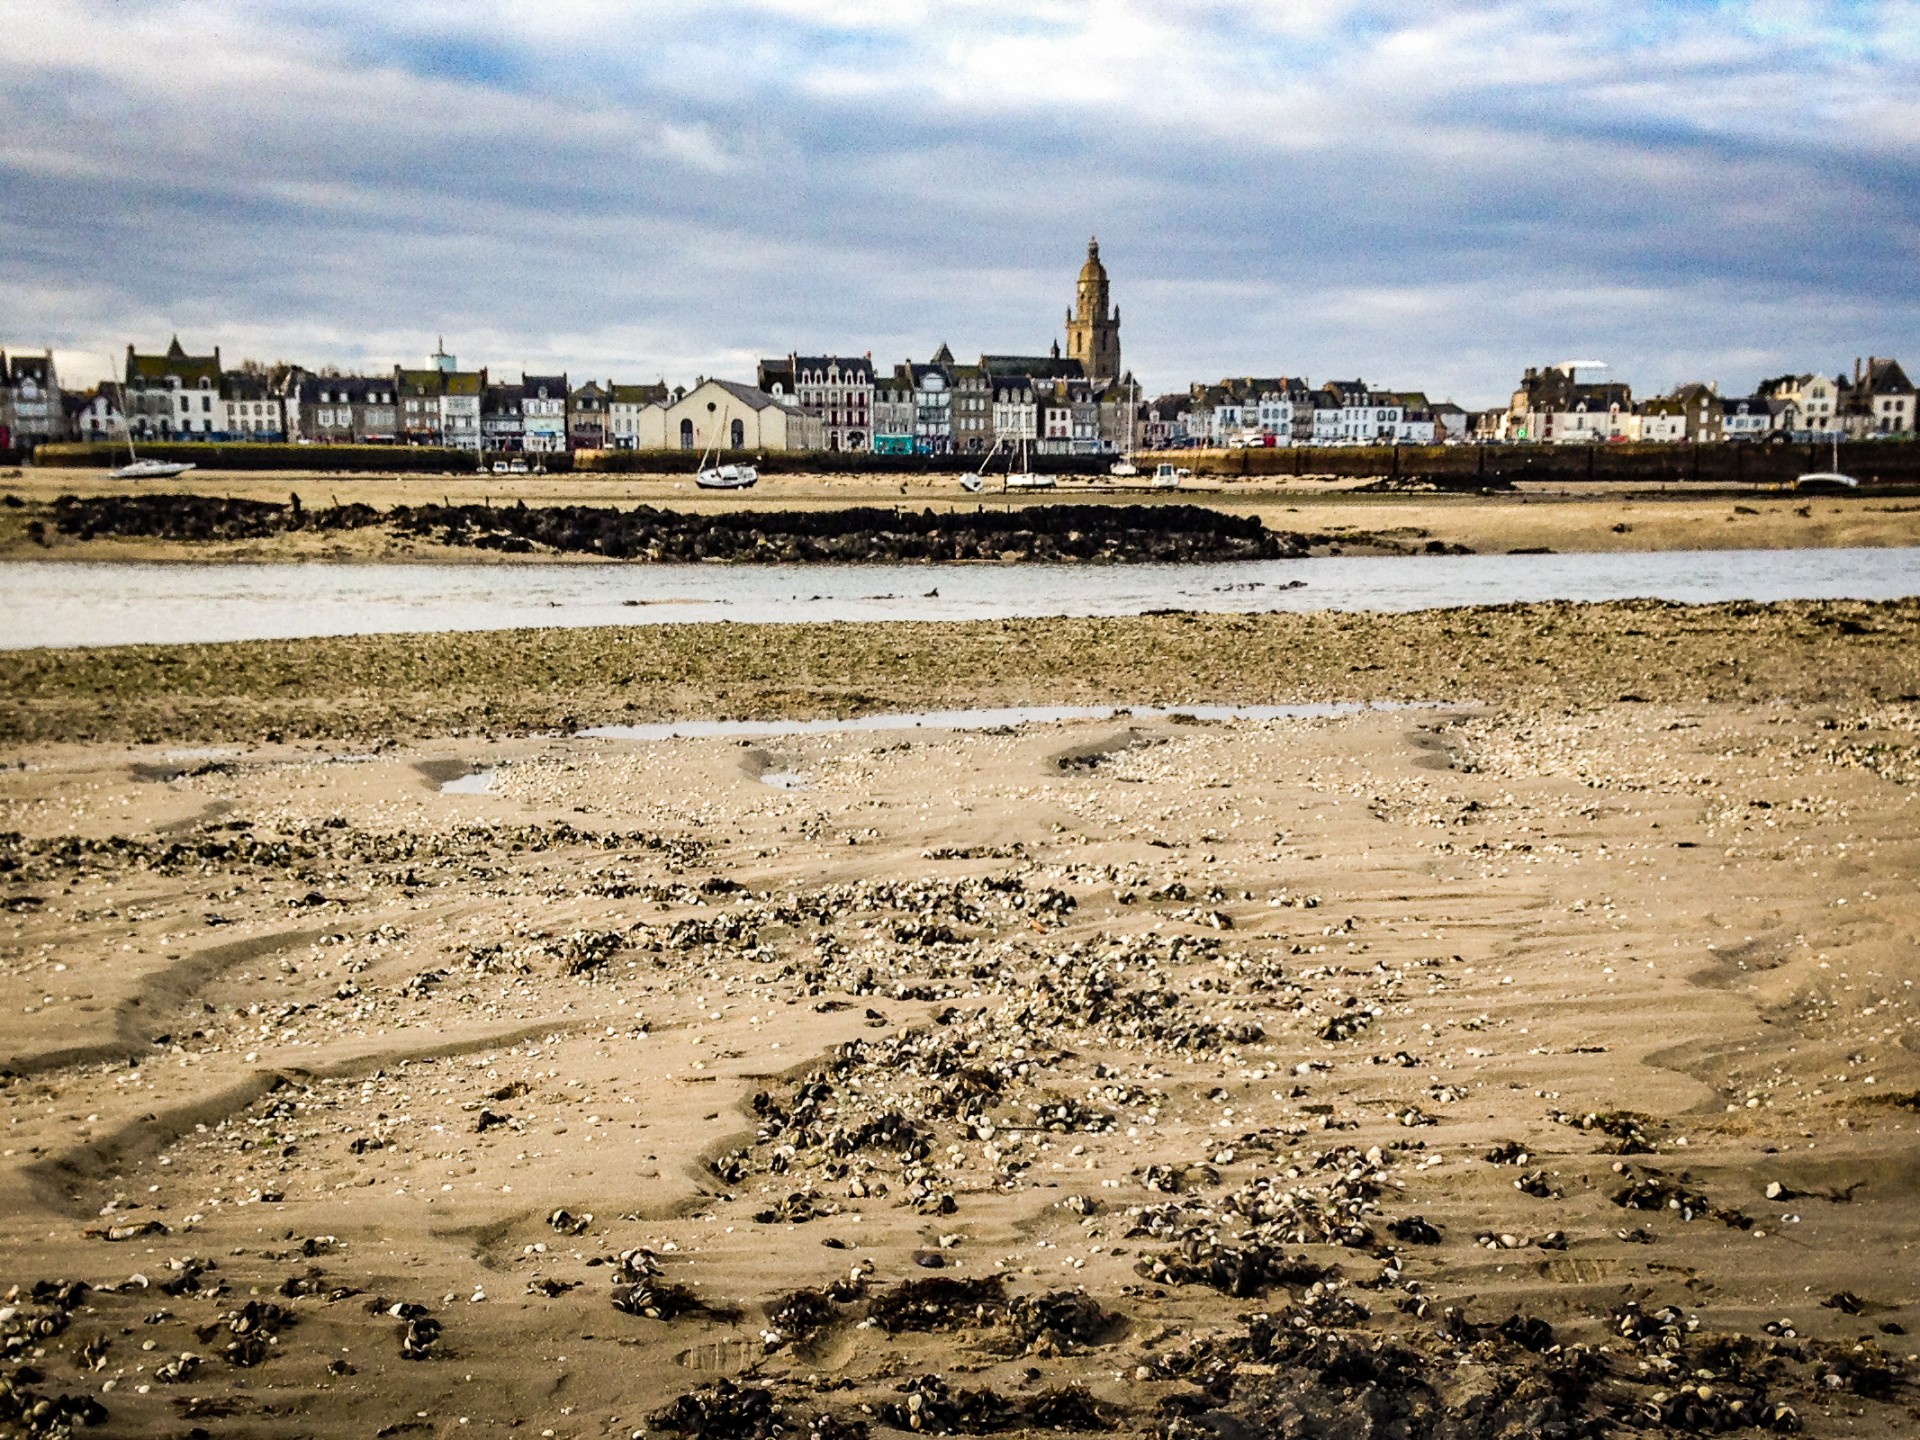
(1565, 519)
(373, 690)
(1135, 1029)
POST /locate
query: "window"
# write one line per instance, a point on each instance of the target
(686, 434)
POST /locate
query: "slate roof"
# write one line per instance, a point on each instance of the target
(639, 394)
(37, 368)
(854, 369)
(157, 369)
(1038, 367)
(749, 395)
(1885, 377)
(354, 389)
(238, 385)
(414, 384)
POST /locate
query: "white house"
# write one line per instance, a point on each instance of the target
(1663, 420)
(726, 415)
(1371, 417)
(98, 417)
(173, 394)
(625, 403)
(250, 410)
(543, 413)
(460, 397)
(1747, 418)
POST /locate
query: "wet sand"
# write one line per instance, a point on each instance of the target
(1541, 1065)
(1563, 518)
(371, 691)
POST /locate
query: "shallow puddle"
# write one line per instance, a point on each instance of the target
(985, 719)
(479, 782)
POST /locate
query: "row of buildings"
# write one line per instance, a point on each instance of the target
(1077, 402)
(801, 402)
(1552, 406)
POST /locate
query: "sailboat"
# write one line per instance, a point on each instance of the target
(138, 469)
(1829, 480)
(1026, 477)
(1124, 466)
(723, 477)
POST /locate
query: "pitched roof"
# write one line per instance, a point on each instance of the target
(1885, 377)
(189, 369)
(356, 389)
(418, 382)
(38, 368)
(638, 394)
(749, 395)
(1038, 367)
(550, 387)
(239, 385)
(853, 368)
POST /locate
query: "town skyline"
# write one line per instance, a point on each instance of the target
(1689, 192)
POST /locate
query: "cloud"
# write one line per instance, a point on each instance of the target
(1432, 199)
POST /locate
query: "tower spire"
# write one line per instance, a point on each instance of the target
(1093, 325)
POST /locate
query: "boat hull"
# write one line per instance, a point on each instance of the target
(151, 470)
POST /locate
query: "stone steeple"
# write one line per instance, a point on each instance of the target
(1093, 329)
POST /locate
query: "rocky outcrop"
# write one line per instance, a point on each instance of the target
(1088, 534)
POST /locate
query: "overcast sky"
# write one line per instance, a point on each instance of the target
(1706, 190)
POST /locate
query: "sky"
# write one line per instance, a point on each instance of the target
(1422, 195)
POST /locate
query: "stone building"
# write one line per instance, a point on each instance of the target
(502, 428)
(893, 412)
(30, 405)
(1093, 325)
(587, 416)
(972, 409)
(342, 409)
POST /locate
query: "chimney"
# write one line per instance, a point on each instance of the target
(1856, 369)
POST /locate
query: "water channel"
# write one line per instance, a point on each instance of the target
(86, 603)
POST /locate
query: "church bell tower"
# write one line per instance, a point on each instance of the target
(1093, 330)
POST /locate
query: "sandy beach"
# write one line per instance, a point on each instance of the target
(1534, 1061)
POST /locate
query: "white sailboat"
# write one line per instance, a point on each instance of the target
(723, 477)
(138, 469)
(1124, 467)
(1828, 480)
(1026, 477)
